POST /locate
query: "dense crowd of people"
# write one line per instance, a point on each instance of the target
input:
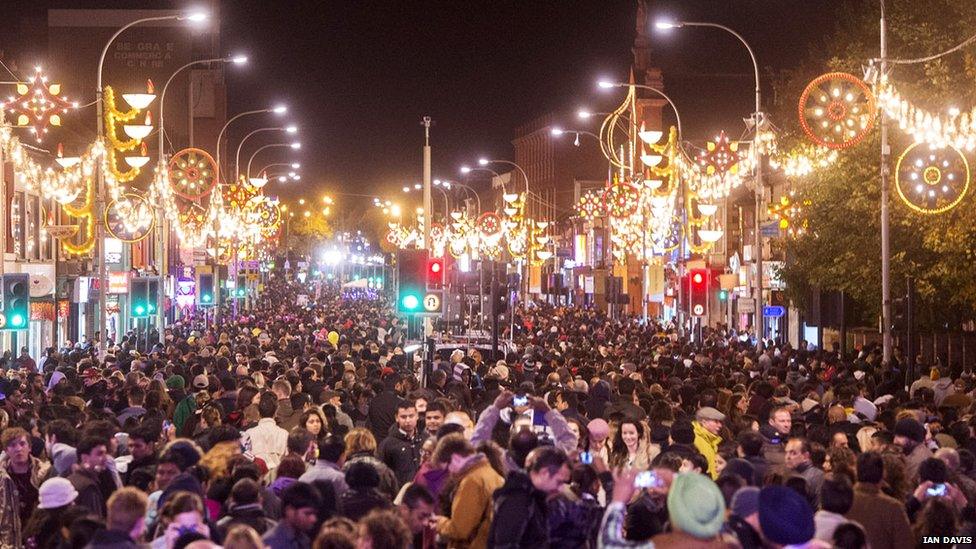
(309, 426)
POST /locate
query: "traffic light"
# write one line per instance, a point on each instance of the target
(435, 273)
(143, 296)
(412, 272)
(699, 291)
(16, 301)
(205, 290)
(723, 295)
(240, 290)
(499, 297)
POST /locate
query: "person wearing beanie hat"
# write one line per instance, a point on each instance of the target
(599, 431)
(56, 492)
(910, 437)
(743, 520)
(175, 382)
(785, 517)
(696, 509)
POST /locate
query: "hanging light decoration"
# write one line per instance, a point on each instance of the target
(38, 105)
(193, 174)
(837, 110)
(956, 128)
(930, 179)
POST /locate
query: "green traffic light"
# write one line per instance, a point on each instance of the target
(17, 320)
(723, 295)
(140, 310)
(410, 302)
(206, 298)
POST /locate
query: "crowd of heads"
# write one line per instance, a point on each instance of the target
(298, 425)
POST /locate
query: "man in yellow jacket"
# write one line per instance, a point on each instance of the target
(707, 424)
(472, 507)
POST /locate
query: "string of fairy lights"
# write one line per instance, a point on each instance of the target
(224, 219)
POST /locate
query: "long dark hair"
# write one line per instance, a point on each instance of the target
(619, 448)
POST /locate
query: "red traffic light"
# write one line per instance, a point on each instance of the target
(435, 273)
(697, 277)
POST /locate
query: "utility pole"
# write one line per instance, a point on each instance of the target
(885, 239)
(428, 206)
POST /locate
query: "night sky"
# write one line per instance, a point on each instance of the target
(359, 75)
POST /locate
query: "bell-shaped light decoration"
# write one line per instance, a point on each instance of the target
(259, 181)
(139, 131)
(66, 161)
(710, 235)
(510, 197)
(543, 255)
(650, 136)
(139, 160)
(651, 160)
(653, 184)
(707, 209)
(141, 100)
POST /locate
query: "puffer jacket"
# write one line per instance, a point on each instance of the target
(11, 529)
(521, 515)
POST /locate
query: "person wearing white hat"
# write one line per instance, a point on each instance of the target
(56, 492)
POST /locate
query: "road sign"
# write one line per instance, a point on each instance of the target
(745, 305)
(432, 303)
(770, 230)
(774, 311)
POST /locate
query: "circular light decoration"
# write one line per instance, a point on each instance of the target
(837, 110)
(119, 218)
(489, 224)
(262, 211)
(192, 173)
(622, 199)
(237, 194)
(590, 205)
(932, 180)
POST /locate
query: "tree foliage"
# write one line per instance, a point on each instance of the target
(306, 233)
(842, 248)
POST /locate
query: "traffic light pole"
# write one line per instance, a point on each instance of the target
(494, 310)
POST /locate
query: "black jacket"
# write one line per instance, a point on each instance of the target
(104, 539)
(401, 453)
(251, 515)
(356, 504)
(382, 413)
(521, 515)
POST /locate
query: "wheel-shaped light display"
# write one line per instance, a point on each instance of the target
(837, 110)
(130, 219)
(622, 200)
(932, 180)
(192, 173)
(489, 224)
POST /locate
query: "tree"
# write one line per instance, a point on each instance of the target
(307, 232)
(841, 250)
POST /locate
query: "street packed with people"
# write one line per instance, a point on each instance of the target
(309, 426)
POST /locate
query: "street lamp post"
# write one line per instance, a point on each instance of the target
(100, 180)
(577, 133)
(682, 253)
(279, 109)
(237, 157)
(162, 227)
(757, 119)
(296, 145)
